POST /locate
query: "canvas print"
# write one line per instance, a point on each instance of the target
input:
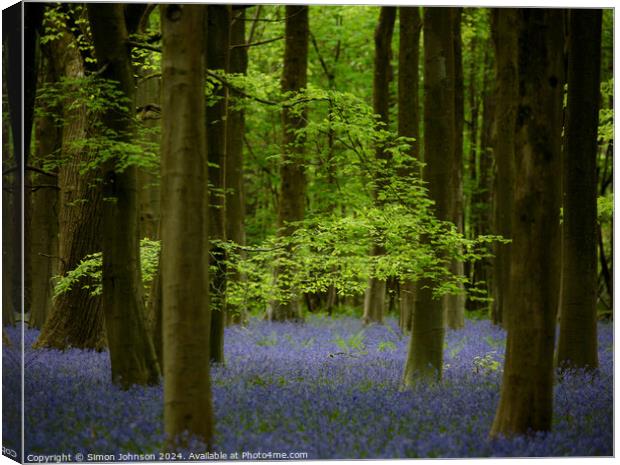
(306, 232)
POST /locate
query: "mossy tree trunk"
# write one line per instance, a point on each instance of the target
(577, 345)
(132, 355)
(184, 226)
(425, 356)
(526, 399)
(374, 301)
(292, 193)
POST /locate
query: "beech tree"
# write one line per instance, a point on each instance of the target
(409, 119)
(44, 204)
(454, 304)
(577, 345)
(76, 318)
(217, 52)
(235, 129)
(132, 354)
(425, 356)
(504, 23)
(292, 172)
(374, 301)
(184, 267)
(526, 398)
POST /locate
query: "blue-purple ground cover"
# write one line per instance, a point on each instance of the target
(330, 388)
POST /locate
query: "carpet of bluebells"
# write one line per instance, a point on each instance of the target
(330, 388)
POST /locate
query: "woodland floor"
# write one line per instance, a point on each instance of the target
(328, 388)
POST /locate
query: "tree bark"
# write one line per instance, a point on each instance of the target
(217, 50)
(409, 120)
(132, 354)
(526, 399)
(9, 246)
(76, 317)
(43, 250)
(505, 39)
(185, 198)
(292, 172)
(374, 301)
(148, 93)
(235, 128)
(577, 346)
(454, 304)
(482, 200)
(425, 356)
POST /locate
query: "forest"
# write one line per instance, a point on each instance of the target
(291, 232)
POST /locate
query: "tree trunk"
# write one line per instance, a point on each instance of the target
(526, 400)
(409, 120)
(218, 45)
(577, 345)
(185, 199)
(9, 246)
(132, 354)
(43, 248)
(482, 196)
(505, 39)
(76, 317)
(425, 356)
(148, 93)
(292, 172)
(235, 128)
(374, 301)
(454, 304)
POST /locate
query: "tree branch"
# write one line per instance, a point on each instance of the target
(262, 42)
(29, 168)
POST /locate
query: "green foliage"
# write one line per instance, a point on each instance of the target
(487, 363)
(268, 341)
(605, 208)
(60, 19)
(353, 344)
(380, 202)
(386, 346)
(606, 115)
(88, 272)
(89, 96)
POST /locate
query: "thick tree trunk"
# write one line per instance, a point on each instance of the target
(43, 248)
(76, 317)
(425, 356)
(374, 301)
(409, 120)
(454, 304)
(482, 197)
(185, 198)
(504, 31)
(218, 45)
(292, 172)
(132, 354)
(577, 345)
(148, 94)
(235, 128)
(526, 398)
